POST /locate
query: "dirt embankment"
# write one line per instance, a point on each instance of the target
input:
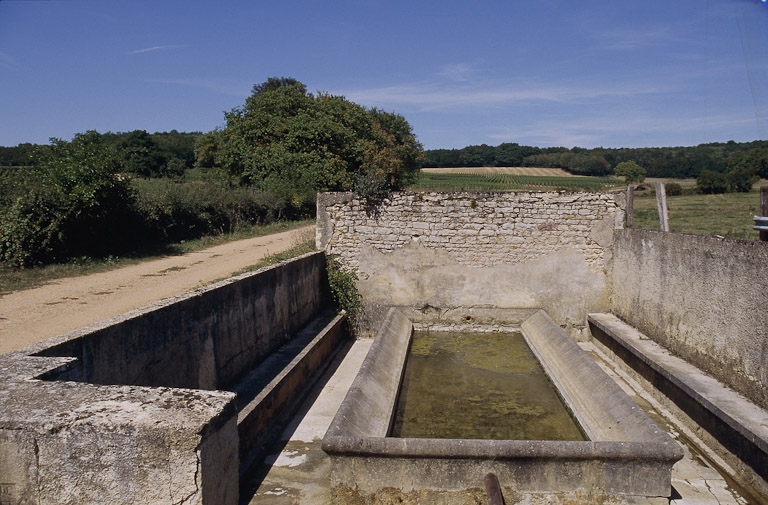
(64, 305)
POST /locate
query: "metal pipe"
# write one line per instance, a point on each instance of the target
(493, 489)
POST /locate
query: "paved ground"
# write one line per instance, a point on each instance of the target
(298, 471)
(63, 305)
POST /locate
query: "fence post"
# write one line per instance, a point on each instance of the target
(764, 210)
(661, 204)
(630, 206)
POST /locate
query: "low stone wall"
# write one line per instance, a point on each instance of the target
(205, 339)
(437, 251)
(703, 298)
(123, 411)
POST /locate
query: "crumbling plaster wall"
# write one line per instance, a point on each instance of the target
(438, 251)
(704, 298)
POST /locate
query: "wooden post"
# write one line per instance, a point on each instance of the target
(661, 204)
(630, 206)
(764, 210)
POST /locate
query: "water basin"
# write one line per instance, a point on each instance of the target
(460, 385)
(624, 458)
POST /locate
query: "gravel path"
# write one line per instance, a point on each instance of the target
(64, 305)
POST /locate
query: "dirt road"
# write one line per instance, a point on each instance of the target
(64, 305)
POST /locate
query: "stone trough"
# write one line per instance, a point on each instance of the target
(626, 459)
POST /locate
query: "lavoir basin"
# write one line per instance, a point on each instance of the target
(622, 456)
(478, 385)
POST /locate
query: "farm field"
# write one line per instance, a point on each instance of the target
(728, 215)
(507, 179)
(536, 171)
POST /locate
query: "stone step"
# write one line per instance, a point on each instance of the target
(737, 424)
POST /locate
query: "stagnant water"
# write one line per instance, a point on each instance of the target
(478, 386)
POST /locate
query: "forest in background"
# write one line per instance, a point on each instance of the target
(169, 154)
(665, 162)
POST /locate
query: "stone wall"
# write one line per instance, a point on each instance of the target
(437, 251)
(205, 339)
(125, 411)
(704, 298)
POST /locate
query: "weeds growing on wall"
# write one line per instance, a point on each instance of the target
(344, 291)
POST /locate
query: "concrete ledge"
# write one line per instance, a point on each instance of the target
(734, 422)
(603, 410)
(131, 409)
(629, 459)
(65, 442)
(280, 387)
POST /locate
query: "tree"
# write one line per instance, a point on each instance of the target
(741, 179)
(78, 206)
(711, 182)
(140, 155)
(206, 148)
(291, 143)
(631, 171)
(585, 164)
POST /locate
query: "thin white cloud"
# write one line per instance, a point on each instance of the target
(157, 48)
(638, 38)
(638, 129)
(221, 87)
(457, 72)
(436, 96)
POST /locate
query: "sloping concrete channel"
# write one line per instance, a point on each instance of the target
(224, 395)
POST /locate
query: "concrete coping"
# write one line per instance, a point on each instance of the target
(620, 433)
(726, 414)
(603, 410)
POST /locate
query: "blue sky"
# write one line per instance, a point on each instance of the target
(536, 72)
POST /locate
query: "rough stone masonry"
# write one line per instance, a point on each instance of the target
(508, 250)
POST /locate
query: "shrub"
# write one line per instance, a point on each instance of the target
(673, 189)
(174, 211)
(342, 282)
(710, 182)
(77, 206)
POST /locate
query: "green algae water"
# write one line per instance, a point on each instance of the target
(478, 386)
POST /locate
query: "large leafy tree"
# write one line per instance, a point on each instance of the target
(292, 143)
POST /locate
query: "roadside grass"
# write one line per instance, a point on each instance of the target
(728, 215)
(16, 280)
(304, 243)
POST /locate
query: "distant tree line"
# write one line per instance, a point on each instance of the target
(668, 162)
(159, 154)
(106, 194)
